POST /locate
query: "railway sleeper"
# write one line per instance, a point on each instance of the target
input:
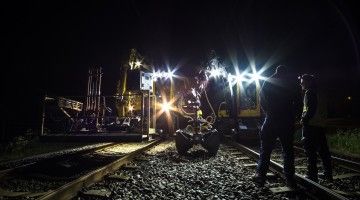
(118, 177)
(285, 189)
(348, 175)
(12, 194)
(100, 193)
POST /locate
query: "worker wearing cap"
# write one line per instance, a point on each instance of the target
(279, 99)
(314, 139)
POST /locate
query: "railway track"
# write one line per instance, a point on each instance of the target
(342, 162)
(15, 166)
(346, 175)
(163, 174)
(154, 170)
(65, 175)
(166, 175)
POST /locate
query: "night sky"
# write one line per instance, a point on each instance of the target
(50, 45)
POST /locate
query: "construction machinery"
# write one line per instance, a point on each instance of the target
(198, 129)
(132, 110)
(135, 98)
(238, 113)
(147, 102)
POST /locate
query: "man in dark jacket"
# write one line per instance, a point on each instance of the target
(314, 139)
(279, 98)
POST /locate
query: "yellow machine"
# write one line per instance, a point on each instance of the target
(251, 97)
(141, 94)
(135, 104)
(149, 98)
(241, 115)
(240, 110)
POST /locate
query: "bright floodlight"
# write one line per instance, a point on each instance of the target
(236, 78)
(216, 72)
(230, 78)
(168, 75)
(256, 76)
(165, 107)
(156, 75)
(163, 74)
(131, 108)
(239, 78)
(137, 64)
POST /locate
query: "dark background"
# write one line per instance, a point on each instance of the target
(50, 45)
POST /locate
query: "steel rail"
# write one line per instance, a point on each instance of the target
(71, 189)
(47, 157)
(355, 166)
(318, 190)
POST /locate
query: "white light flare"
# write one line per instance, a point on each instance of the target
(239, 78)
(163, 75)
(138, 64)
(169, 75)
(217, 72)
(131, 108)
(255, 76)
(166, 107)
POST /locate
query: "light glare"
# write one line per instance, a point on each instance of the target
(166, 107)
(255, 76)
(217, 72)
(137, 64)
(131, 108)
(163, 74)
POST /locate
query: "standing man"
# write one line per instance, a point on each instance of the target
(279, 98)
(314, 139)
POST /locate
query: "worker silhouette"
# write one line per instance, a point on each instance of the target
(314, 139)
(280, 100)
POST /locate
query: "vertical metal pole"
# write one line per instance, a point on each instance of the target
(103, 111)
(88, 91)
(98, 95)
(171, 89)
(171, 126)
(91, 100)
(236, 103)
(154, 105)
(43, 117)
(257, 94)
(142, 113)
(93, 92)
(148, 115)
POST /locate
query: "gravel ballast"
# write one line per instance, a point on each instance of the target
(163, 174)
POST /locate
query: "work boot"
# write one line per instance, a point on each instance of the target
(259, 179)
(326, 176)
